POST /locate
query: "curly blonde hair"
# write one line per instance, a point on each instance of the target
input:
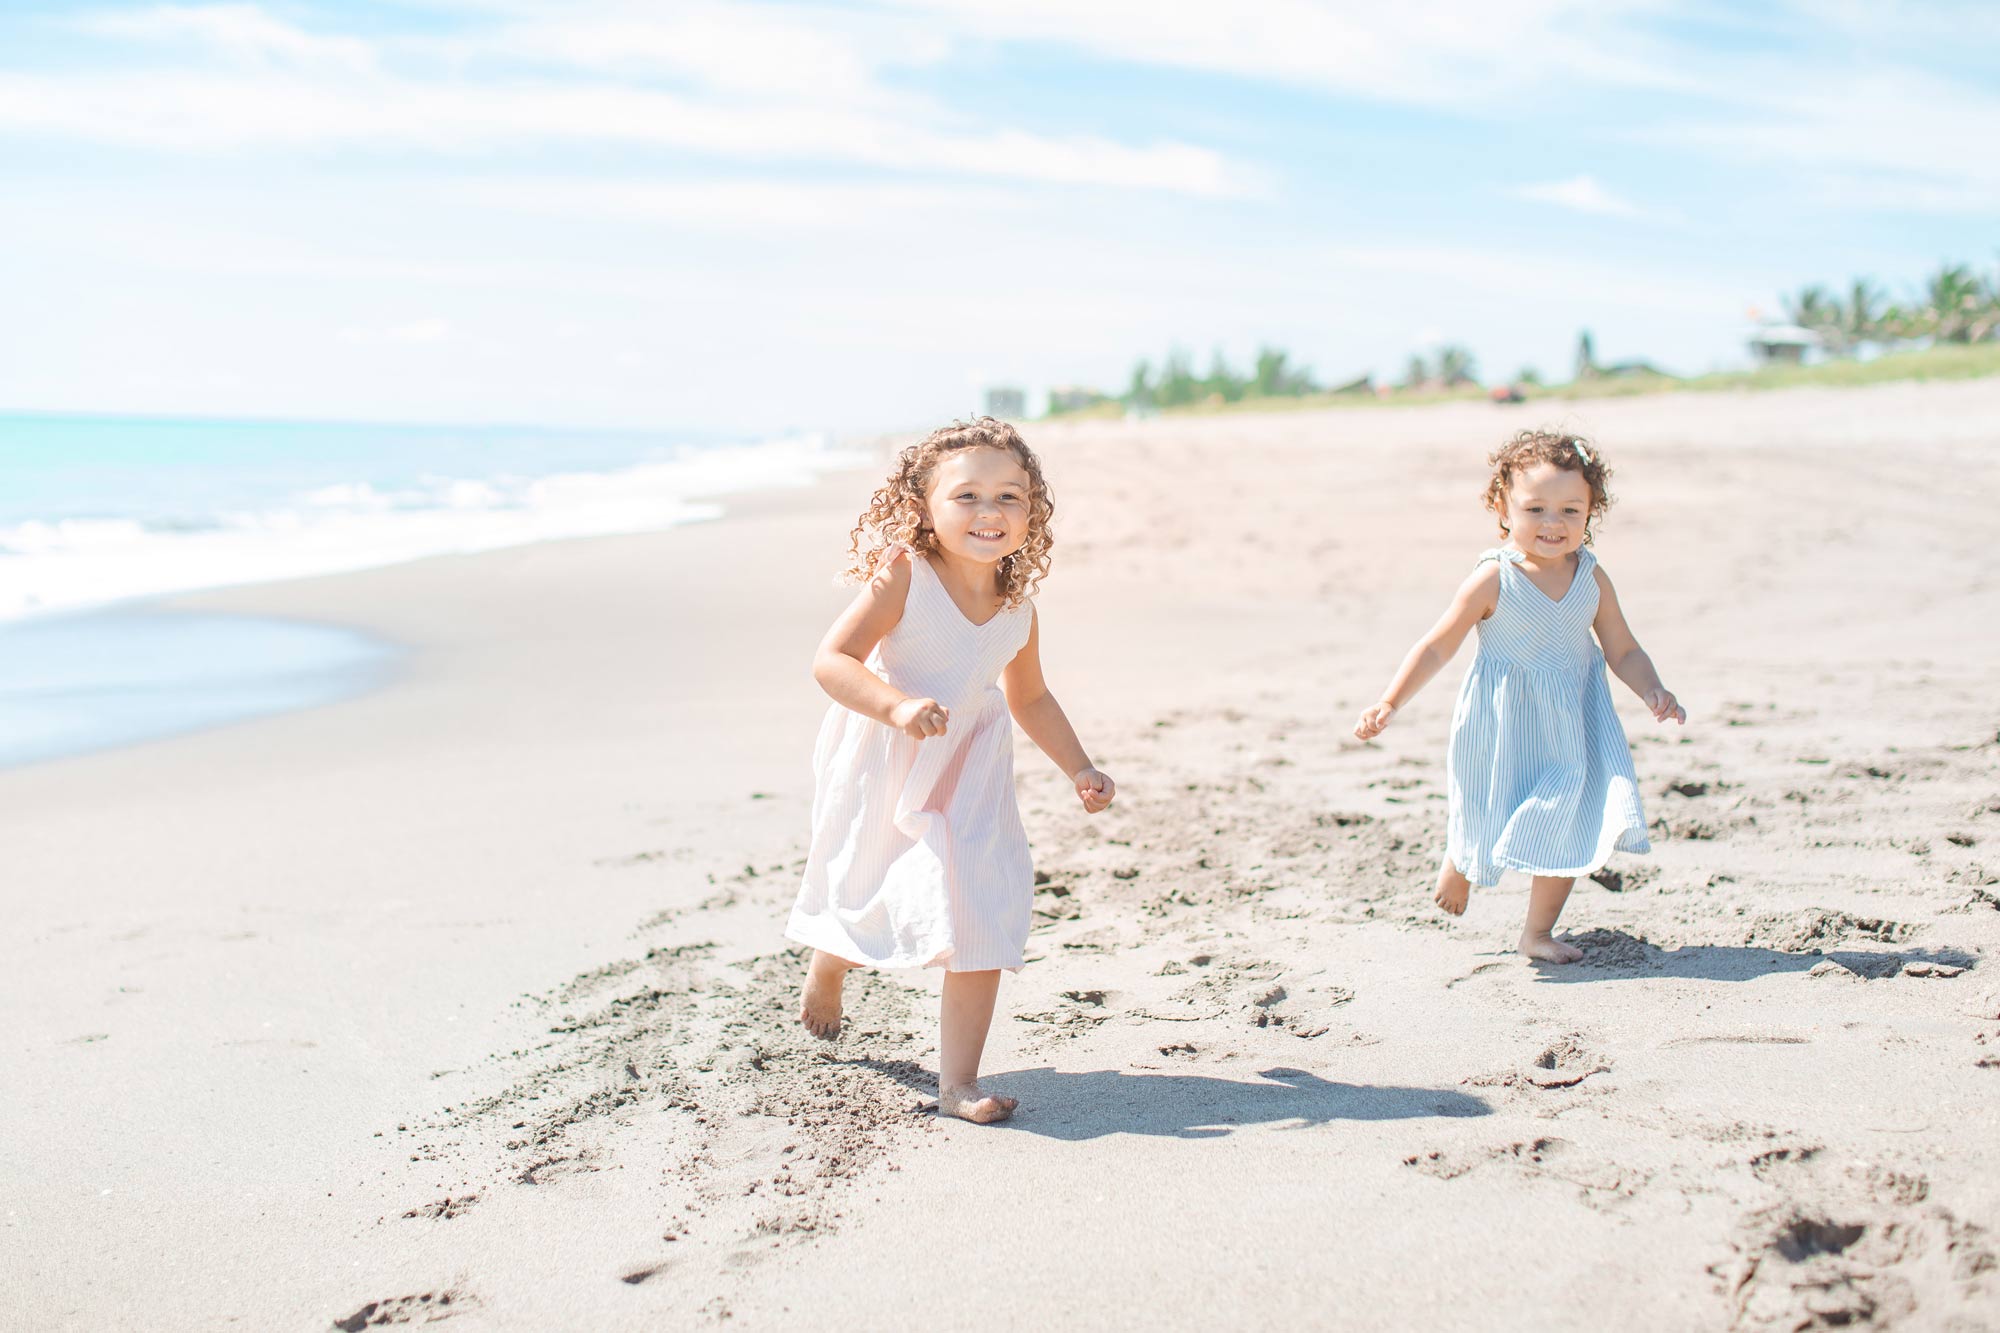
(898, 514)
(1564, 449)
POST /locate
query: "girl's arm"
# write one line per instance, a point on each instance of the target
(1029, 700)
(1474, 601)
(841, 664)
(1627, 660)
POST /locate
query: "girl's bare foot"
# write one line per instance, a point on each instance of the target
(819, 1005)
(967, 1102)
(1453, 889)
(1546, 948)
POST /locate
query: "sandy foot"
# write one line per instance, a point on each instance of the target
(819, 1002)
(1453, 889)
(1546, 949)
(968, 1103)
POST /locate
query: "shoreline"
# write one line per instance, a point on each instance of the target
(356, 657)
(141, 672)
(476, 986)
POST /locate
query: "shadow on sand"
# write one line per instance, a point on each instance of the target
(1078, 1106)
(1613, 955)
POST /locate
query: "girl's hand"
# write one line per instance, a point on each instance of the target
(1665, 706)
(920, 719)
(1373, 721)
(1094, 789)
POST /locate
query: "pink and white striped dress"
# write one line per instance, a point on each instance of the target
(918, 856)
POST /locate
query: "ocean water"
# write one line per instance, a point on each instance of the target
(101, 510)
(73, 684)
(99, 514)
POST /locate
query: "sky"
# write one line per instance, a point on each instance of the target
(755, 217)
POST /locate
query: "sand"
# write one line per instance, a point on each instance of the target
(466, 1000)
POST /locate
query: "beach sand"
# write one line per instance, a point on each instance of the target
(467, 999)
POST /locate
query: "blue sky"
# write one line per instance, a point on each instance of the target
(854, 215)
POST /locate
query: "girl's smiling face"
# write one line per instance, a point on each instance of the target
(979, 503)
(1547, 510)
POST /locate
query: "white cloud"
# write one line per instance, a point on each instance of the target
(1581, 194)
(777, 205)
(235, 112)
(789, 85)
(243, 34)
(1441, 52)
(787, 53)
(1916, 141)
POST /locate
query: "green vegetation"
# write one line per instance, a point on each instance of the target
(1944, 361)
(1452, 367)
(1930, 363)
(1955, 305)
(1176, 384)
(1947, 329)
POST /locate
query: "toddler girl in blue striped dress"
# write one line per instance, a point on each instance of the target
(1540, 775)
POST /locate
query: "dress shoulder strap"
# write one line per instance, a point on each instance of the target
(919, 567)
(1499, 555)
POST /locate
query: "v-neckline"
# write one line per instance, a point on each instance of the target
(939, 580)
(1518, 558)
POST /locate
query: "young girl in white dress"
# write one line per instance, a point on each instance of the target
(918, 857)
(1540, 775)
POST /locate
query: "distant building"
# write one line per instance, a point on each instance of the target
(1007, 402)
(1781, 344)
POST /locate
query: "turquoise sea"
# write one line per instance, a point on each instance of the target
(99, 515)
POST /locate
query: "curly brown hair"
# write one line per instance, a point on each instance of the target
(1566, 450)
(898, 515)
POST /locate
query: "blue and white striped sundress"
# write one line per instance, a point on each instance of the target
(1541, 777)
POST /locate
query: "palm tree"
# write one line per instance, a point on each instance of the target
(1818, 311)
(1953, 299)
(1140, 392)
(1986, 319)
(1455, 365)
(1586, 357)
(1864, 313)
(1275, 379)
(1416, 374)
(1222, 382)
(1808, 307)
(1177, 385)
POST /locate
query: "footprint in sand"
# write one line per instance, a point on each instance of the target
(446, 1208)
(1563, 1063)
(1616, 950)
(1815, 927)
(428, 1307)
(1600, 1179)
(1859, 1245)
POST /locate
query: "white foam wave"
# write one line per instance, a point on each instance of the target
(73, 563)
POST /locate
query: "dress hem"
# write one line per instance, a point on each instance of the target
(835, 942)
(1497, 864)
